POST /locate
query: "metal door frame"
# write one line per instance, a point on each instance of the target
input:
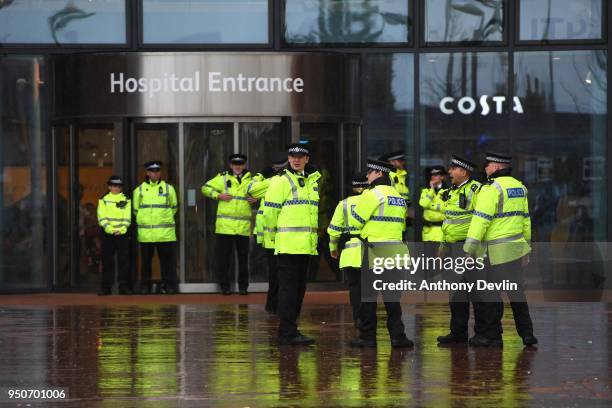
(208, 287)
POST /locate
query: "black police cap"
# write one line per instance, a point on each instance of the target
(298, 149)
(497, 158)
(359, 180)
(237, 158)
(397, 155)
(153, 165)
(115, 181)
(457, 161)
(379, 165)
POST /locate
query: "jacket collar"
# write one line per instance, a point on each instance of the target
(381, 181)
(501, 173)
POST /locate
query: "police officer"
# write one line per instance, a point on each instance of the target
(502, 227)
(155, 204)
(115, 217)
(233, 223)
(399, 175)
(350, 247)
(291, 216)
(458, 208)
(257, 189)
(379, 215)
(433, 211)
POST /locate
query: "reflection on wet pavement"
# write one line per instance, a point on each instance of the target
(226, 355)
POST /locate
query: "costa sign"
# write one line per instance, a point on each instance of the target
(485, 105)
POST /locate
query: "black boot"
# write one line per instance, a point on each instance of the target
(402, 342)
(481, 341)
(451, 338)
(361, 343)
(530, 340)
(299, 340)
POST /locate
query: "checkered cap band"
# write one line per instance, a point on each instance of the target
(464, 165)
(153, 166)
(376, 167)
(359, 183)
(497, 159)
(299, 150)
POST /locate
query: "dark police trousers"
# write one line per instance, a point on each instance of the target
(166, 251)
(492, 309)
(459, 301)
(225, 246)
(292, 277)
(119, 244)
(272, 296)
(353, 277)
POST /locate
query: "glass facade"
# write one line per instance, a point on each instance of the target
(23, 167)
(339, 21)
(436, 78)
(63, 22)
(205, 22)
(542, 20)
(464, 21)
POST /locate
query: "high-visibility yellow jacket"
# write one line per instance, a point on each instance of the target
(457, 219)
(257, 189)
(291, 213)
(501, 225)
(379, 214)
(399, 181)
(114, 213)
(351, 255)
(154, 204)
(433, 214)
(234, 216)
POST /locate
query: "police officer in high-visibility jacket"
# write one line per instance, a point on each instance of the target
(257, 189)
(433, 211)
(115, 217)
(399, 175)
(379, 215)
(501, 229)
(340, 240)
(233, 223)
(458, 209)
(291, 216)
(154, 204)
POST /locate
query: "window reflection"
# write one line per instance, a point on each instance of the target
(458, 113)
(62, 22)
(561, 142)
(22, 173)
(339, 21)
(463, 20)
(205, 22)
(560, 19)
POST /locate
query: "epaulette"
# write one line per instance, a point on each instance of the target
(476, 187)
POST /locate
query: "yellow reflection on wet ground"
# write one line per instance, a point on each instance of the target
(227, 355)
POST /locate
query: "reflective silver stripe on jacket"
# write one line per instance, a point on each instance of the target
(225, 182)
(293, 186)
(296, 229)
(472, 241)
(381, 200)
(500, 203)
(385, 243)
(353, 245)
(156, 226)
(155, 206)
(114, 219)
(506, 239)
(470, 196)
(233, 217)
(345, 212)
(458, 221)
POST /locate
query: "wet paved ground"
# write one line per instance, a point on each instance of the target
(226, 355)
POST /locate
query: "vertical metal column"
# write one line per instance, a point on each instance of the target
(183, 201)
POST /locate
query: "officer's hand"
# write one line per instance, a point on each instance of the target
(334, 254)
(432, 184)
(525, 261)
(252, 200)
(225, 197)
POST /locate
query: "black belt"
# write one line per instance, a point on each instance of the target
(432, 224)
